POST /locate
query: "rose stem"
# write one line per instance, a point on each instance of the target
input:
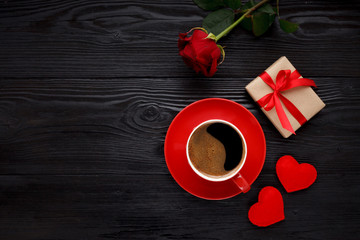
(228, 29)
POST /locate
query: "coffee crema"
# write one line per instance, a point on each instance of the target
(215, 149)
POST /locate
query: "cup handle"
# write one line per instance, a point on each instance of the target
(241, 183)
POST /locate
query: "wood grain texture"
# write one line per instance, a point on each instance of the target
(69, 37)
(88, 90)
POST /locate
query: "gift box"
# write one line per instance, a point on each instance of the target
(285, 97)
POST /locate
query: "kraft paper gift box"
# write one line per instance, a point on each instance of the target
(302, 97)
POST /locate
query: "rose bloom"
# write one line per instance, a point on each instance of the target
(199, 53)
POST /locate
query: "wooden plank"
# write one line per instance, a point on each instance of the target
(52, 126)
(138, 207)
(66, 39)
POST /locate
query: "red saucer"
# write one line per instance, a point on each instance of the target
(187, 120)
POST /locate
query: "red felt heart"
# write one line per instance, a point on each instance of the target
(269, 209)
(294, 176)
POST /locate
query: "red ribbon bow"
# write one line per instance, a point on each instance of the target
(285, 80)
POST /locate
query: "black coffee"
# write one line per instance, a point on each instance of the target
(215, 149)
(231, 141)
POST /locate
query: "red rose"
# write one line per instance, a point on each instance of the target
(198, 52)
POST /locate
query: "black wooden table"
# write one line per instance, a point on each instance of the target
(88, 90)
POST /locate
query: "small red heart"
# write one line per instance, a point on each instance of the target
(269, 209)
(294, 176)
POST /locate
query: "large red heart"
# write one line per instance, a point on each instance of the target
(269, 209)
(294, 176)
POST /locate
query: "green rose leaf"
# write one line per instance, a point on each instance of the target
(271, 19)
(234, 4)
(246, 23)
(218, 21)
(287, 26)
(266, 9)
(260, 23)
(209, 4)
(248, 5)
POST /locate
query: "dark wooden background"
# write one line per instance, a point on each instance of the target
(89, 88)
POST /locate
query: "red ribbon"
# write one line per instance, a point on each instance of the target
(285, 80)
